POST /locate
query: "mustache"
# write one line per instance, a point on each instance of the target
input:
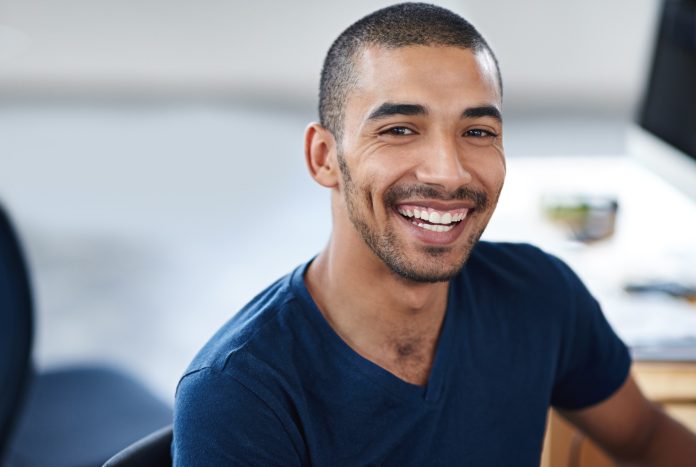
(395, 194)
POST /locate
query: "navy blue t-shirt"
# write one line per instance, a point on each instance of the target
(276, 386)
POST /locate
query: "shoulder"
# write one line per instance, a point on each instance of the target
(235, 379)
(527, 286)
(265, 321)
(219, 420)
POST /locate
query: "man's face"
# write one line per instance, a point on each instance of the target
(421, 157)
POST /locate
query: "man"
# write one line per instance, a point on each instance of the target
(406, 341)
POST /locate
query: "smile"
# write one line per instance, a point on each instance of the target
(432, 219)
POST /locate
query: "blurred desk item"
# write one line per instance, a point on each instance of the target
(669, 350)
(673, 289)
(587, 218)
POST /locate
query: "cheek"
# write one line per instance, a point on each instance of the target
(500, 174)
(361, 188)
(488, 177)
(492, 171)
(377, 175)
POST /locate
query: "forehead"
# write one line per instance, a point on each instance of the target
(442, 77)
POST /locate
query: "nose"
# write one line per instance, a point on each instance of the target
(444, 164)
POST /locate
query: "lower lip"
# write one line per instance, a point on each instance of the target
(435, 238)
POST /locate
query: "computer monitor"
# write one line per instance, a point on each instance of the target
(665, 139)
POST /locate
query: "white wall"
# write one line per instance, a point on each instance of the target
(553, 52)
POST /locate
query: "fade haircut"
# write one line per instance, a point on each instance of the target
(400, 25)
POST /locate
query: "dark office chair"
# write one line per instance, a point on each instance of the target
(71, 417)
(152, 451)
(16, 329)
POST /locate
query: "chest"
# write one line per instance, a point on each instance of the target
(409, 360)
(482, 406)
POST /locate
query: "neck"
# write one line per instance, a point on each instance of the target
(385, 318)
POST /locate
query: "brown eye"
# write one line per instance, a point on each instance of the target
(398, 131)
(480, 133)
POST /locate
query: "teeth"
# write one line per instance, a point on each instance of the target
(406, 213)
(434, 217)
(436, 228)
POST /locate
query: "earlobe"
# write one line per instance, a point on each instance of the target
(320, 155)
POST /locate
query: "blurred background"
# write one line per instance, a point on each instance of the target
(151, 156)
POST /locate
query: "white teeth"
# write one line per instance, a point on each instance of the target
(436, 228)
(406, 213)
(433, 217)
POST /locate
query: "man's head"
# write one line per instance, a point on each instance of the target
(411, 140)
(401, 25)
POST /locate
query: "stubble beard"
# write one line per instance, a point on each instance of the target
(386, 245)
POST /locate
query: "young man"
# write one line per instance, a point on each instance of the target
(406, 341)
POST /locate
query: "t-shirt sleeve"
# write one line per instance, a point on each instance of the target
(219, 421)
(593, 361)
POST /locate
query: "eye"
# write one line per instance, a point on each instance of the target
(397, 131)
(480, 133)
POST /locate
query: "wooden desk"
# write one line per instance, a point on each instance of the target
(672, 385)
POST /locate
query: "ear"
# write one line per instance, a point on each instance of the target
(320, 155)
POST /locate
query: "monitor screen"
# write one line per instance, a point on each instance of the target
(669, 103)
(665, 138)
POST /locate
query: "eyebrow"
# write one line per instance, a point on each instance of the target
(389, 109)
(483, 111)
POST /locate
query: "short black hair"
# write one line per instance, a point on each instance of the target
(400, 25)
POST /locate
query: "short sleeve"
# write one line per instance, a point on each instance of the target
(219, 421)
(593, 362)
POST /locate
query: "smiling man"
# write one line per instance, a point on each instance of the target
(406, 341)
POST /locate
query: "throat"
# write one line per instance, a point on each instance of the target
(412, 370)
(410, 359)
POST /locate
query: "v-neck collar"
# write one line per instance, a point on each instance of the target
(430, 393)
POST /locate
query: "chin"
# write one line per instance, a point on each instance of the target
(435, 267)
(422, 276)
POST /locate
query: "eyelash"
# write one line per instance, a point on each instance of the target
(392, 131)
(486, 133)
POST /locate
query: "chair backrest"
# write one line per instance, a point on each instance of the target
(154, 450)
(16, 328)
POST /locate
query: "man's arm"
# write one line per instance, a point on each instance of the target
(634, 431)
